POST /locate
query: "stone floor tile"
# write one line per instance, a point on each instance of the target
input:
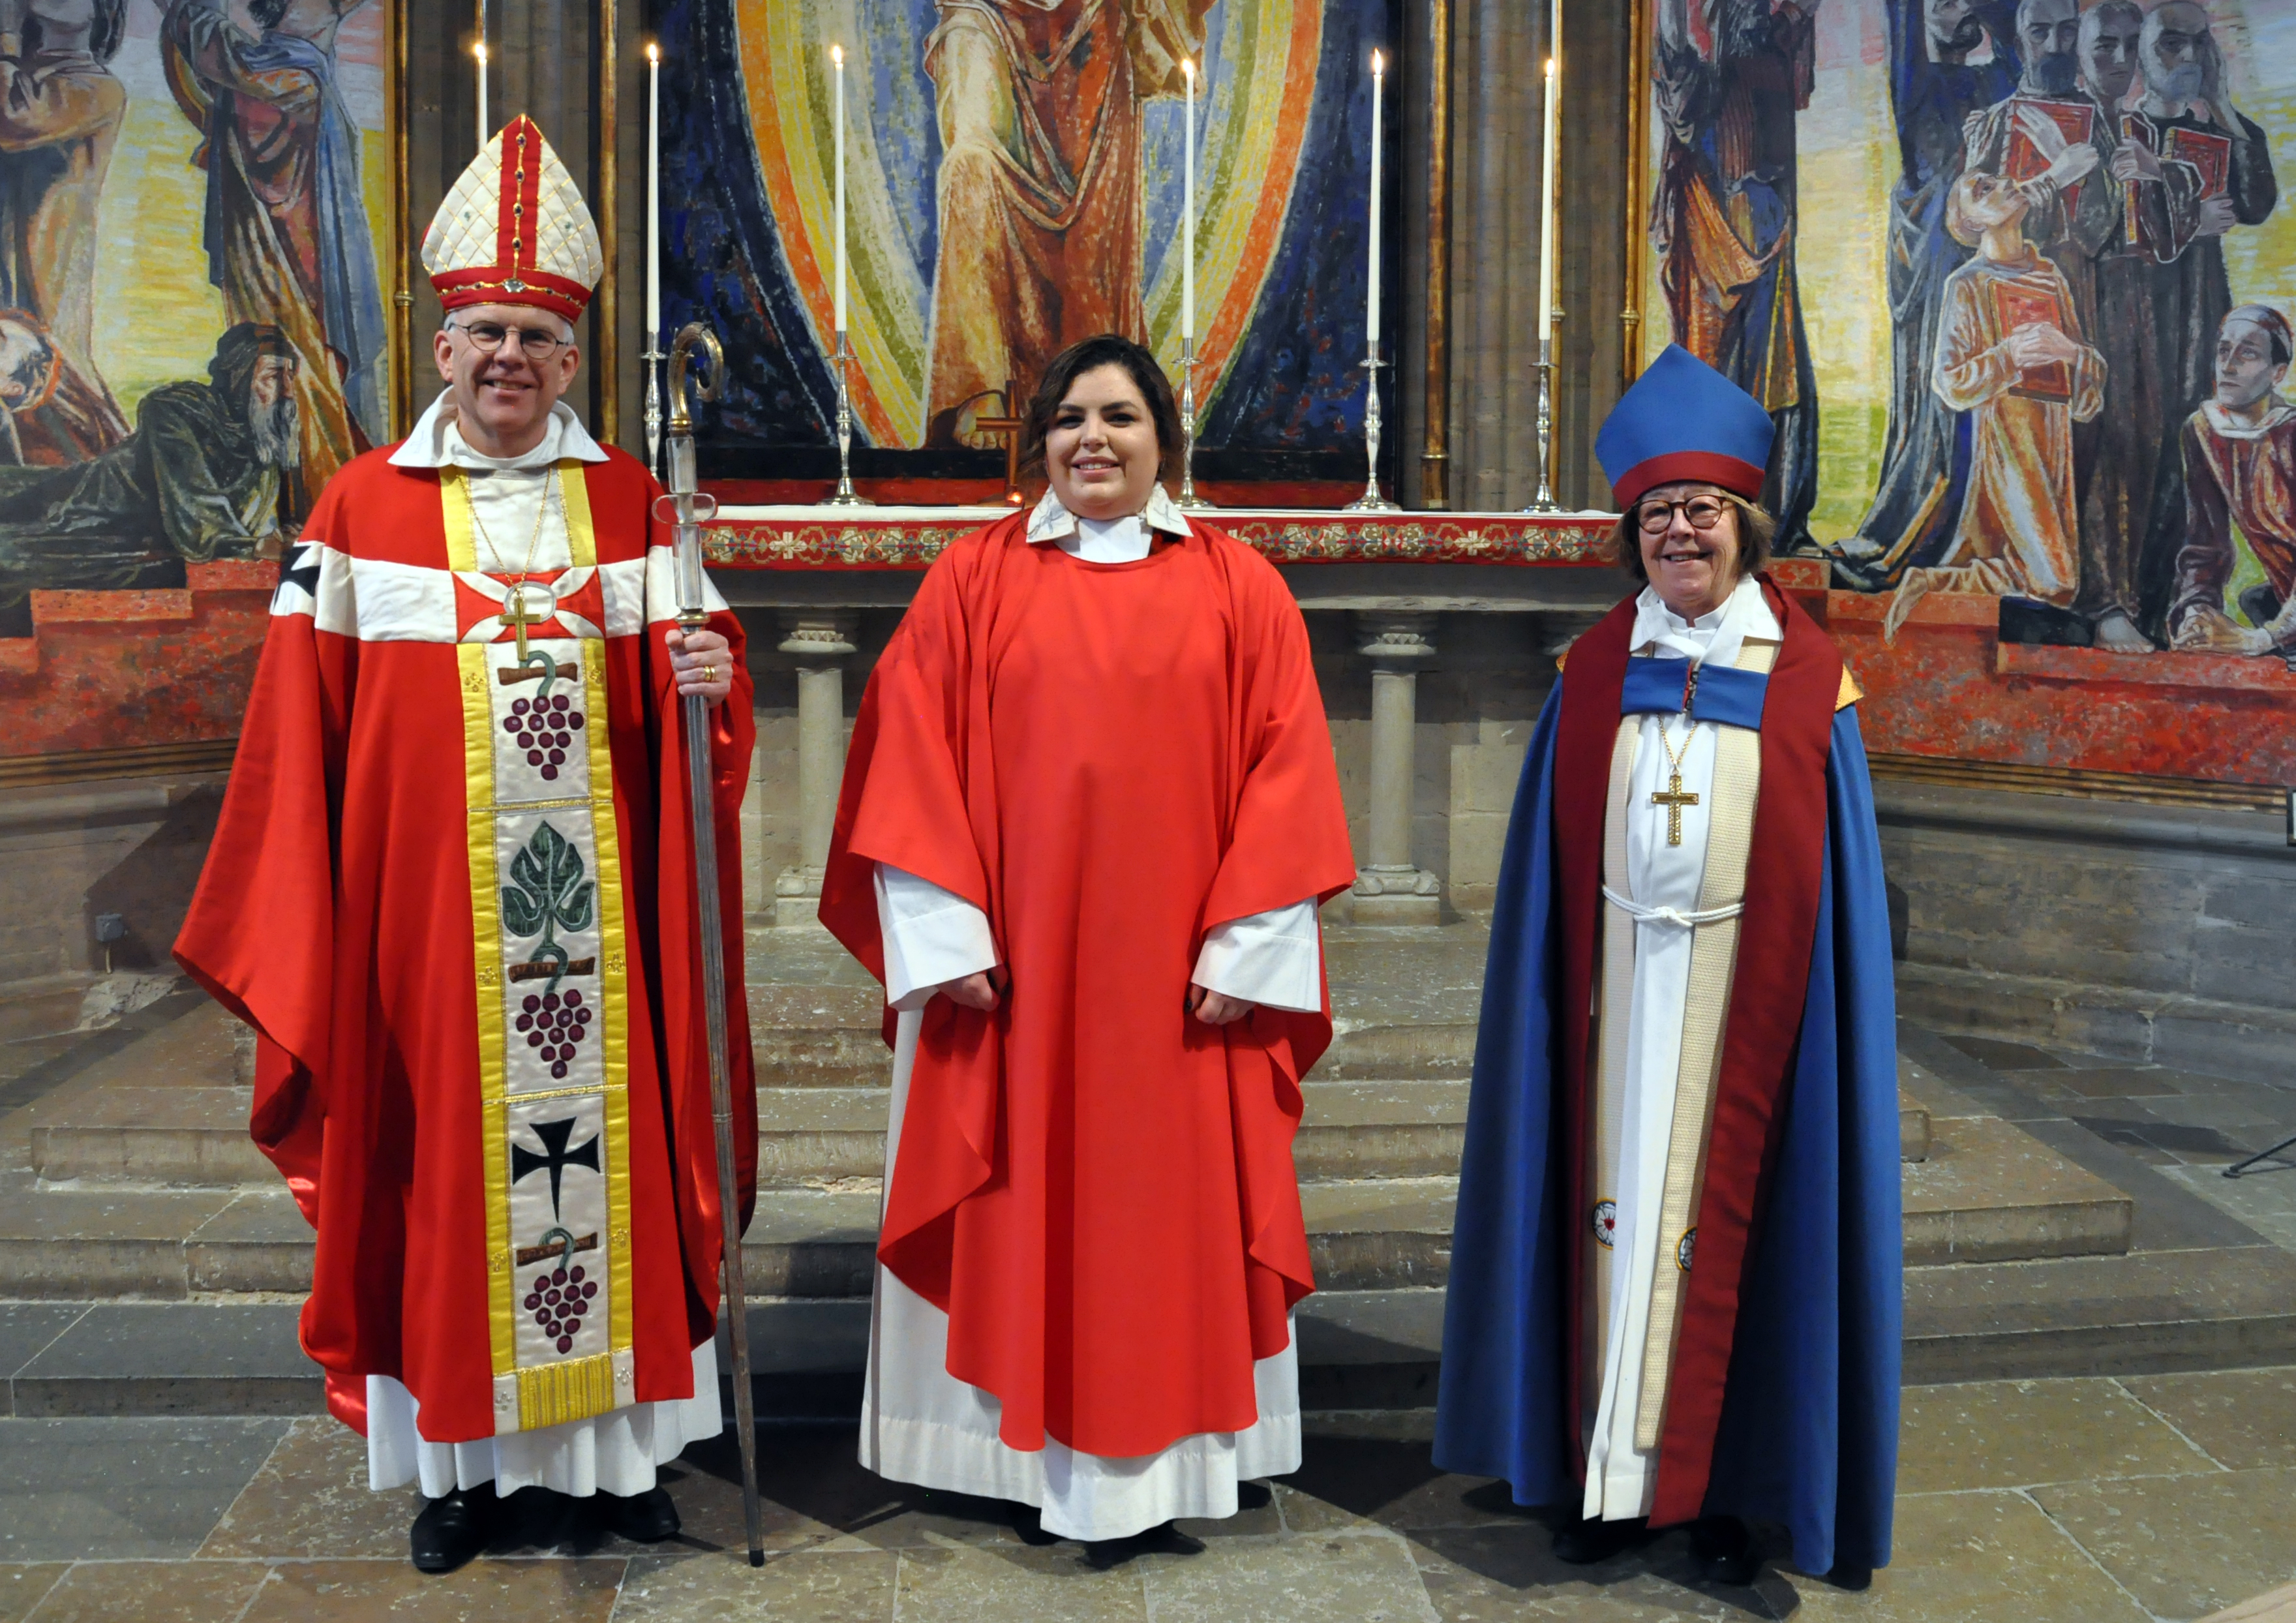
(2014, 1433)
(1959, 1557)
(484, 1592)
(2278, 1607)
(1995, 1055)
(945, 1580)
(2265, 1200)
(122, 1489)
(2118, 1082)
(1344, 1481)
(706, 1484)
(2187, 1546)
(178, 1357)
(804, 1586)
(1508, 1575)
(1364, 1578)
(817, 1494)
(153, 1592)
(2245, 1418)
(22, 1586)
(310, 1500)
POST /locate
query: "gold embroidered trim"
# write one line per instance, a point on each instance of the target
(574, 1388)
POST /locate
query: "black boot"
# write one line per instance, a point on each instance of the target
(647, 1518)
(451, 1530)
(1725, 1551)
(1582, 1544)
(1164, 1539)
(1028, 1522)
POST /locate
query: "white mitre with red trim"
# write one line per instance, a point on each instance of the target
(514, 230)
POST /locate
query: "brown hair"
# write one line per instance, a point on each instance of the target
(1107, 349)
(1756, 530)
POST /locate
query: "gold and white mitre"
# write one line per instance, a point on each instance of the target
(514, 230)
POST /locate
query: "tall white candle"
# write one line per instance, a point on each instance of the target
(837, 55)
(1546, 222)
(1371, 299)
(1188, 209)
(653, 196)
(484, 131)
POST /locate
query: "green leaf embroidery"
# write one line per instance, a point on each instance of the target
(548, 892)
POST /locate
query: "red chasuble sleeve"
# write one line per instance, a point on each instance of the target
(1107, 760)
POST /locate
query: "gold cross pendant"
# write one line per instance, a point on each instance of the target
(1674, 800)
(518, 617)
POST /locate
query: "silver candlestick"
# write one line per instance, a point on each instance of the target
(1188, 496)
(653, 358)
(1371, 500)
(1544, 502)
(845, 495)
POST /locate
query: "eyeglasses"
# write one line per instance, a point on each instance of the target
(1655, 517)
(488, 336)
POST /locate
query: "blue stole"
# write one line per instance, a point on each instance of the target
(1710, 693)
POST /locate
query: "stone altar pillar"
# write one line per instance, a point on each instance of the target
(1389, 889)
(819, 641)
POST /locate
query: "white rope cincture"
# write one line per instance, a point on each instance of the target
(1640, 914)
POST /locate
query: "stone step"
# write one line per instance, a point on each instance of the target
(1990, 1191)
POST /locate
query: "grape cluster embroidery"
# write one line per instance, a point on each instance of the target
(545, 729)
(554, 1024)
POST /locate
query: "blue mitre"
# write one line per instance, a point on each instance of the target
(1682, 419)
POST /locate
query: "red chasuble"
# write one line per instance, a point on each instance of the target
(1107, 760)
(453, 892)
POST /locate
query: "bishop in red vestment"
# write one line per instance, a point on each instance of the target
(1091, 804)
(453, 892)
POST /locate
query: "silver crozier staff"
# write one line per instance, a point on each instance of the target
(689, 509)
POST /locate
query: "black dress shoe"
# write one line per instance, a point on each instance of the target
(1164, 1539)
(1028, 1522)
(451, 1530)
(1725, 1552)
(647, 1518)
(1582, 1544)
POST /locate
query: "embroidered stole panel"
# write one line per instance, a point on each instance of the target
(1736, 788)
(547, 916)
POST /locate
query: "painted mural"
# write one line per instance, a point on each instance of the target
(1015, 176)
(2015, 281)
(192, 332)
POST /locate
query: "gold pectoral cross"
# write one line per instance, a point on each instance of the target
(518, 617)
(1674, 800)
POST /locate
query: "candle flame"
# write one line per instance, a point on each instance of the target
(1553, 67)
(654, 53)
(1378, 62)
(837, 55)
(480, 51)
(1187, 67)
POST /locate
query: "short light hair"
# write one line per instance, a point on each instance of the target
(1757, 530)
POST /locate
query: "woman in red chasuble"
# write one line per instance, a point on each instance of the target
(1088, 814)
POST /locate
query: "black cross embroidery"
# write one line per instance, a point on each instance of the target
(295, 572)
(553, 1136)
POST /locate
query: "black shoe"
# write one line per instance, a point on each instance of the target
(1850, 1576)
(451, 1530)
(1163, 1540)
(1028, 1522)
(1582, 1544)
(647, 1518)
(1725, 1552)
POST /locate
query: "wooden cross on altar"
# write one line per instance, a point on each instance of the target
(1673, 798)
(1008, 429)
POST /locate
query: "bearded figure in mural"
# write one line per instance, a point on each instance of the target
(1039, 108)
(286, 234)
(1936, 84)
(1730, 75)
(210, 472)
(60, 108)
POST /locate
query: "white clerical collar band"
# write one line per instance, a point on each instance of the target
(1051, 521)
(1661, 631)
(425, 444)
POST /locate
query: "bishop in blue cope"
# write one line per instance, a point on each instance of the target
(1677, 1274)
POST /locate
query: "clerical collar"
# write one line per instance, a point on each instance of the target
(430, 444)
(1714, 638)
(1051, 521)
(2226, 427)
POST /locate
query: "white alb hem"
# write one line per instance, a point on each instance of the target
(616, 1453)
